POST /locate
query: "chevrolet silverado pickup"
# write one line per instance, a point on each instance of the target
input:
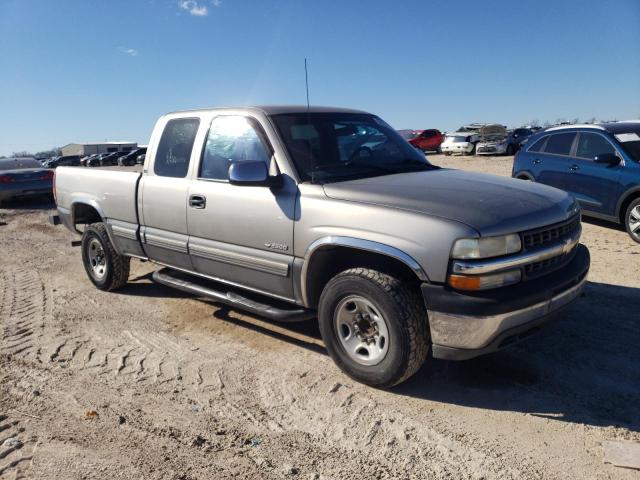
(297, 213)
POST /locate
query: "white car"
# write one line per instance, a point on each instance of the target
(459, 142)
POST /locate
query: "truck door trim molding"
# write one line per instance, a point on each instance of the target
(239, 259)
(361, 245)
(158, 239)
(226, 282)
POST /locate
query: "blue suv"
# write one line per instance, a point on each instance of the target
(598, 164)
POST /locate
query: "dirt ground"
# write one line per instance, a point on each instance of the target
(148, 383)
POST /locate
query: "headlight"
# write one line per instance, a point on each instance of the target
(486, 247)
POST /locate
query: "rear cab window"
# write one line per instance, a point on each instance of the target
(174, 149)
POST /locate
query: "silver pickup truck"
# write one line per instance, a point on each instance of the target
(293, 213)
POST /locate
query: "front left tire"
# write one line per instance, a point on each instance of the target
(374, 326)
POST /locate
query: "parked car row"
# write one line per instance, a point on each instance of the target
(126, 159)
(471, 139)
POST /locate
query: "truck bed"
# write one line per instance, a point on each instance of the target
(111, 192)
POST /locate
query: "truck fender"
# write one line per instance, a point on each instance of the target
(359, 244)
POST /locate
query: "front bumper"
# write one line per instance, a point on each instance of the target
(491, 149)
(460, 147)
(466, 325)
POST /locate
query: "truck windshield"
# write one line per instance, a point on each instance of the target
(332, 147)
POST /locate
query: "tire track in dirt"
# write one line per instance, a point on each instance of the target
(15, 456)
(23, 313)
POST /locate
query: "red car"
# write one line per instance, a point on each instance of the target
(425, 140)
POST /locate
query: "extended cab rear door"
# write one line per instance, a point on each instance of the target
(241, 234)
(163, 191)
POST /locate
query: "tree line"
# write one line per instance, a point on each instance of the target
(54, 152)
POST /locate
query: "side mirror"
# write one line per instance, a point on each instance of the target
(607, 159)
(253, 173)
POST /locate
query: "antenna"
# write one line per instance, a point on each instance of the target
(306, 81)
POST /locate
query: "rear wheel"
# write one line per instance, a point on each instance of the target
(106, 269)
(632, 220)
(374, 327)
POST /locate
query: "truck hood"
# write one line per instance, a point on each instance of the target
(490, 204)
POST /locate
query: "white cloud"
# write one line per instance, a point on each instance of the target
(194, 8)
(129, 51)
(216, 3)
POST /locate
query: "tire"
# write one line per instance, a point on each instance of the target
(510, 150)
(97, 251)
(631, 218)
(401, 321)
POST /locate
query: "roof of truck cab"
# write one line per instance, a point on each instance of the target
(277, 109)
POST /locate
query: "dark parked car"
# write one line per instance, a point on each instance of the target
(22, 177)
(84, 160)
(598, 164)
(130, 158)
(105, 159)
(64, 161)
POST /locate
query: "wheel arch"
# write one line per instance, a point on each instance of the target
(625, 199)
(524, 175)
(329, 256)
(87, 210)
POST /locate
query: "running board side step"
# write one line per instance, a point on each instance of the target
(203, 288)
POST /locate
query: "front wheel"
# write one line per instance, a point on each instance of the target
(632, 220)
(106, 269)
(374, 327)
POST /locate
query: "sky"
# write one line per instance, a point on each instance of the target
(94, 70)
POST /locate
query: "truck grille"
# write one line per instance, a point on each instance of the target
(534, 270)
(542, 236)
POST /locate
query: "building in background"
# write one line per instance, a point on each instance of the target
(83, 149)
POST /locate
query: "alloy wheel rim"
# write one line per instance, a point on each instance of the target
(97, 259)
(634, 221)
(361, 330)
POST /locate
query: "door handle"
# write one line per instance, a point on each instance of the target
(197, 201)
(574, 168)
(537, 161)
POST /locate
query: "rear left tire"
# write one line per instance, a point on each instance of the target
(106, 269)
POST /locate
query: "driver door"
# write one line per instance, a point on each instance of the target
(241, 234)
